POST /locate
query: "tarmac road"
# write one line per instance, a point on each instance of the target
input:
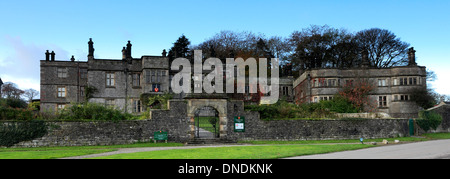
(435, 149)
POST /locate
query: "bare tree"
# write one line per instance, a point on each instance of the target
(30, 94)
(385, 49)
(10, 90)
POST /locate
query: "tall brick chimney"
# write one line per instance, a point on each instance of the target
(47, 56)
(129, 50)
(52, 56)
(412, 57)
(90, 49)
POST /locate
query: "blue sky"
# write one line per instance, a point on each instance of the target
(31, 27)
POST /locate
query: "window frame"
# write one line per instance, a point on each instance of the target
(61, 93)
(110, 79)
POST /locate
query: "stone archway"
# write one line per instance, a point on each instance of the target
(218, 104)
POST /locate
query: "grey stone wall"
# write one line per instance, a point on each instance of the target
(444, 111)
(256, 129)
(108, 133)
(178, 124)
(320, 130)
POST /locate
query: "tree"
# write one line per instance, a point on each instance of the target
(30, 94)
(10, 90)
(357, 92)
(385, 49)
(180, 48)
(423, 97)
(323, 46)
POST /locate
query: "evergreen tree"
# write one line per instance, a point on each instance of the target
(180, 49)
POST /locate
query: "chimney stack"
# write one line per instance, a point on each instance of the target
(412, 57)
(47, 56)
(124, 53)
(129, 50)
(52, 56)
(164, 53)
(90, 49)
(72, 59)
(365, 58)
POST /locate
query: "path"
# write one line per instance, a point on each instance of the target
(435, 149)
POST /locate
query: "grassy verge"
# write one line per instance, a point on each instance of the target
(273, 149)
(61, 152)
(402, 139)
(240, 152)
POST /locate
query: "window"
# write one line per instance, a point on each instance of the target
(61, 92)
(110, 102)
(110, 80)
(395, 97)
(82, 88)
(382, 102)
(148, 76)
(382, 82)
(332, 82)
(158, 76)
(83, 73)
(153, 77)
(414, 81)
(156, 87)
(395, 81)
(136, 79)
(285, 90)
(62, 72)
(403, 81)
(60, 106)
(137, 106)
(404, 97)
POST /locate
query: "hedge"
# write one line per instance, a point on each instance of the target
(14, 132)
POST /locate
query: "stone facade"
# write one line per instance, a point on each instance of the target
(177, 121)
(391, 93)
(118, 82)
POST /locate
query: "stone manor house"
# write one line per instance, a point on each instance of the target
(121, 82)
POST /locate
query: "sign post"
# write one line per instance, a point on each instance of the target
(239, 124)
(160, 135)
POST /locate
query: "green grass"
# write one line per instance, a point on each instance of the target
(402, 139)
(437, 135)
(61, 152)
(205, 124)
(271, 149)
(239, 152)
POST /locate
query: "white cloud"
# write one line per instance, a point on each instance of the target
(21, 62)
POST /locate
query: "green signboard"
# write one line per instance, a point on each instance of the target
(160, 135)
(239, 124)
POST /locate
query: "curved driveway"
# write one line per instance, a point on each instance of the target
(435, 149)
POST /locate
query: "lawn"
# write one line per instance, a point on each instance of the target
(264, 150)
(239, 152)
(61, 152)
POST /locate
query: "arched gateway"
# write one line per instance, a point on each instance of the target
(208, 118)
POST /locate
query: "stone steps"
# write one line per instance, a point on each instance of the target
(204, 141)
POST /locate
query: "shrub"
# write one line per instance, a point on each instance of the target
(339, 104)
(92, 111)
(15, 132)
(265, 111)
(8, 113)
(285, 110)
(429, 119)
